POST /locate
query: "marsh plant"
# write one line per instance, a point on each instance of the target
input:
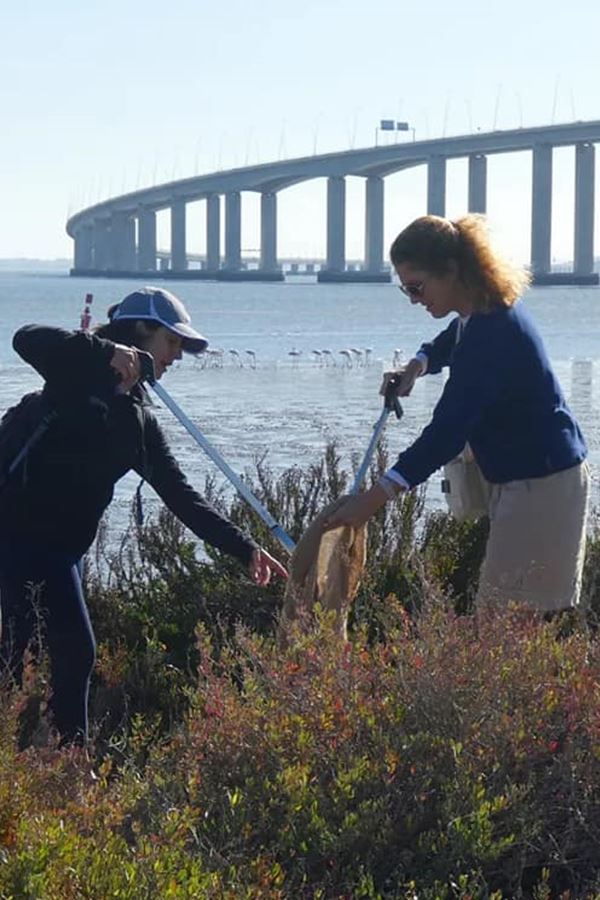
(436, 755)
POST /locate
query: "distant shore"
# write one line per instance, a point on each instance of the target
(35, 265)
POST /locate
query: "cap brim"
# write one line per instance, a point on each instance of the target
(193, 341)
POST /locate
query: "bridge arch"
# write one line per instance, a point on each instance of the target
(118, 236)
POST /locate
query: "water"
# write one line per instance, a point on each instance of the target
(292, 403)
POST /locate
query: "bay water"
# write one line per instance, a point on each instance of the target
(295, 365)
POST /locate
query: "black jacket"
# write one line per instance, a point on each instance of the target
(58, 496)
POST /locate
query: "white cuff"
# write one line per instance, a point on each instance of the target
(394, 475)
(389, 486)
(422, 357)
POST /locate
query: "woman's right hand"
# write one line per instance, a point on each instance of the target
(126, 363)
(404, 378)
(262, 565)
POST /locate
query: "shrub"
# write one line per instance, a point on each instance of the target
(436, 755)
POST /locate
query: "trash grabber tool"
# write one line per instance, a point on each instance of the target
(390, 404)
(147, 367)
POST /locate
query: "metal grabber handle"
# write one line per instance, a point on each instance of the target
(391, 403)
(148, 375)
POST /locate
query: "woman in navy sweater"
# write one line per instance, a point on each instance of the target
(503, 401)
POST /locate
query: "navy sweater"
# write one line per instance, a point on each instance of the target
(502, 397)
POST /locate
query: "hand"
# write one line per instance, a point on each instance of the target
(126, 363)
(262, 565)
(404, 378)
(357, 509)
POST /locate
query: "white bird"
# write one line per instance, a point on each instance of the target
(235, 357)
(252, 356)
(295, 354)
(368, 352)
(347, 357)
(358, 354)
(318, 356)
(328, 355)
(215, 357)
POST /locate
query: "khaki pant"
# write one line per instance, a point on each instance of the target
(536, 546)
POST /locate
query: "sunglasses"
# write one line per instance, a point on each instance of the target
(412, 288)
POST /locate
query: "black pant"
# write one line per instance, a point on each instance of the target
(38, 584)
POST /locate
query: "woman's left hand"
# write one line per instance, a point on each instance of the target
(357, 509)
(262, 565)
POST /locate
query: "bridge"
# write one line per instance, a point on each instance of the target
(118, 237)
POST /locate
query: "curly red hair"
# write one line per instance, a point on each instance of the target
(432, 243)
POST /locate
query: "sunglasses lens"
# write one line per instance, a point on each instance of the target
(412, 290)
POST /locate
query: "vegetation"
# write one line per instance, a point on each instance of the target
(434, 756)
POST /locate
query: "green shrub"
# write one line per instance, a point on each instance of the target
(438, 755)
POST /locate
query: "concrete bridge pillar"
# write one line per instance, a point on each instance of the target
(374, 202)
(541, 209)
(584, 209)
(336, 223)
(436, 186)
(268, 231)
(83, 253)
(233, 231)
(178, 236)
(101, 244)
(477, 183)
(122, 243)
(130, 248)
(146, 240)
(213, 232)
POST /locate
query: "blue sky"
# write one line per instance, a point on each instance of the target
(100, 99)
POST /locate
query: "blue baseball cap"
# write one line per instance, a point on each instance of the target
(158, 305)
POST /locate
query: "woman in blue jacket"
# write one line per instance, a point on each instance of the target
(501, 399)
(102, 426)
